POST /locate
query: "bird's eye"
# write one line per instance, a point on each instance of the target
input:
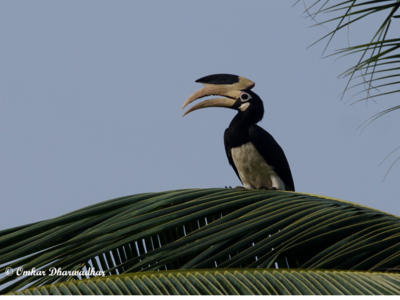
(245, 97)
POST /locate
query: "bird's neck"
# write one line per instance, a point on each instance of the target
(239, 129)
(242, 122)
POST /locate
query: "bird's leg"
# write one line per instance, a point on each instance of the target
(228, 187)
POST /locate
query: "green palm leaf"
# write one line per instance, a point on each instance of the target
(381, 55)
(230, 282)
(203, 228)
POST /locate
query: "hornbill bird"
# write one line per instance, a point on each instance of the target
(253, 153)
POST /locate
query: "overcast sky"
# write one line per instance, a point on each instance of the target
(90, 97)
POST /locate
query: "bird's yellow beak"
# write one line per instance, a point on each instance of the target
(225, 85)
(216, 102)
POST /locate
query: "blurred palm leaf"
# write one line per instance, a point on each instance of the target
(379, 61)
(203, 228)
(230, 282)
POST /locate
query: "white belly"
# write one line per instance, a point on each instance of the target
(254, 172)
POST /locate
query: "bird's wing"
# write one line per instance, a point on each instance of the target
(229, 154)
(272, 153)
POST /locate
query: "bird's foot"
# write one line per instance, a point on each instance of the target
(228, 187)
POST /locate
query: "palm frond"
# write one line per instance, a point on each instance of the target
(203, 228)
(378, 51)
(230, 282)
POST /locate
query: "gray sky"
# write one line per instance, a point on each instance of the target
(90, 97)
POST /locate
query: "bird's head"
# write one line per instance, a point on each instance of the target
(237, 93)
